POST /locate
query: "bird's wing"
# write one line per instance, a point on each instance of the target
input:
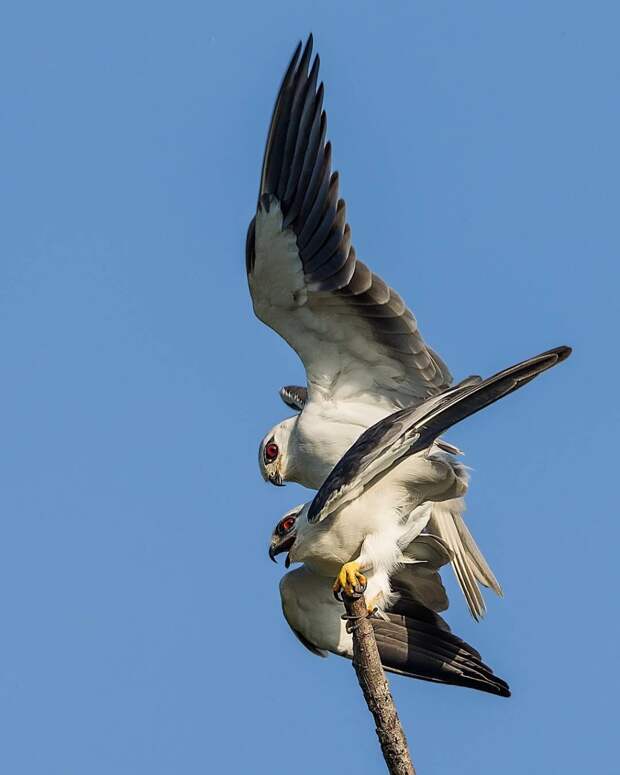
(468, 563)
(418, 576)
(308, 643)
(354, 334)
(303, 599)
(294, 396)
(412, 644)
(412, 430)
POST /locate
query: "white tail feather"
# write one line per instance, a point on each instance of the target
(468, 563)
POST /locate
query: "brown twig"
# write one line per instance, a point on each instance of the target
(376, 689)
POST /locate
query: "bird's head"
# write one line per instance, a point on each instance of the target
(284, 534)
(272, 453)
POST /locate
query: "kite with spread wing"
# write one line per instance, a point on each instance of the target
(367, 426)
(359, 343)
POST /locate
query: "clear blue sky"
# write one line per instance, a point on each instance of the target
(140, 622)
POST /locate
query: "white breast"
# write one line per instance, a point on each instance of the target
(372, 523)
(327, 545)
(324, 431)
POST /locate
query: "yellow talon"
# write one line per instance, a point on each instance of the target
(350, 580)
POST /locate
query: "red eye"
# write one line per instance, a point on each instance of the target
(287, 524)
(271, 451)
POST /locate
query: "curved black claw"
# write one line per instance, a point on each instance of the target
(356, 592)
(353, 622)
(350, 582)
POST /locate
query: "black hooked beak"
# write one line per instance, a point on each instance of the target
(279, 545)
(276, 479)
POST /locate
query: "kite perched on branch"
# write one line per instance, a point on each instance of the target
(360, 344)
(367, 430)
(412, 638)
(376, 501)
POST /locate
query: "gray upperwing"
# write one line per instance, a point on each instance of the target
(416, 648)
(414, 429)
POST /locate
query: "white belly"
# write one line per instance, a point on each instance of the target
(322, 434)
(378, 517)
(381, 511)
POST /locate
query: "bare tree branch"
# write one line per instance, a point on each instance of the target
(376, 689)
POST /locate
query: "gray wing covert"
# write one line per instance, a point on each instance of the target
(412, 430)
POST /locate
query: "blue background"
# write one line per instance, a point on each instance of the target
(477, 145)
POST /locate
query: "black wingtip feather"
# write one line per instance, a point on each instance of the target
(562, 352)
(297, 170)
(300, 136)
(291, 118)
(423, 427)
(414, 648)
(272, 161)
(250, 252)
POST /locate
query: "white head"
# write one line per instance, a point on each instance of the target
(273, 452)
(285, 533)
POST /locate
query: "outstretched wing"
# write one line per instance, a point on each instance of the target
(412, 430)
(353, 333)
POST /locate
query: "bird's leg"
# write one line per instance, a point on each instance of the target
(350, 580)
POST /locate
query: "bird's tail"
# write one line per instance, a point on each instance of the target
(468, 563)
(416, 642)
